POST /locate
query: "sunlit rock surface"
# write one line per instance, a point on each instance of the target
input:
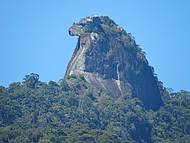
(111, 61)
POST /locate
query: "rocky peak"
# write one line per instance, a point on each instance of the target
(94, 24)
(111, 61)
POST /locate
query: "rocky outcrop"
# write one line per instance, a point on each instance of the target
(111, 61)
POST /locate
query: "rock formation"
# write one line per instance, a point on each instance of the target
(111, 61)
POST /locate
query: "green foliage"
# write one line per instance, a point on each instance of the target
(172, 122)
(71, 111)
(31, 80)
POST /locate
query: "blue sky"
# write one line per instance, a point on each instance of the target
(34, 35)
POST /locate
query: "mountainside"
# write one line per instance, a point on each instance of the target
(70, 112)
(106, 96)
(111, 61)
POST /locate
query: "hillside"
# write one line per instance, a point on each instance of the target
(68, 111)
(109, 94)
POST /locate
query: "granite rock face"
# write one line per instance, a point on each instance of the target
(111, 61)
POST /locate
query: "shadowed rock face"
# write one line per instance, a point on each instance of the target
(110, 61)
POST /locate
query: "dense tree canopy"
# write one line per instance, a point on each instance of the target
(71, 111)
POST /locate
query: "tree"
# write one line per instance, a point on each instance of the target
(31, 80)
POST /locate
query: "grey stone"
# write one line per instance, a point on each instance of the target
(111, 61)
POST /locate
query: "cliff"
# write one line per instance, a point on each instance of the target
(111, 61)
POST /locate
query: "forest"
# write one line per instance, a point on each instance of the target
(71, 111)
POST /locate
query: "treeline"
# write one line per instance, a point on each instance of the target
(71, 111)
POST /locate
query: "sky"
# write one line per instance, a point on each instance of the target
(34, 35)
